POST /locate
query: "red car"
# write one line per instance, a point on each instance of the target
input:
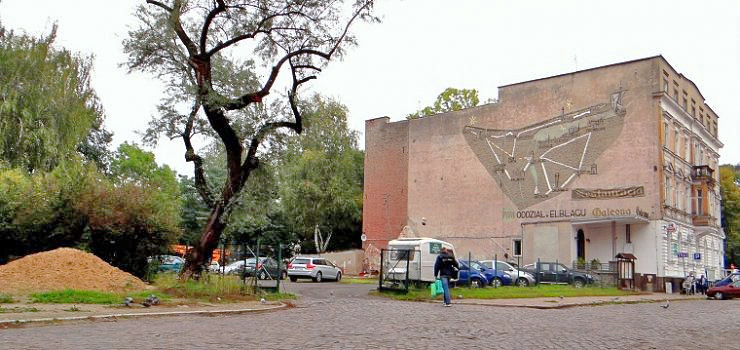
(725, 292)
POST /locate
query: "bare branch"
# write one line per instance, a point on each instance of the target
(157, 3)
(179, 30)
(259, 30)
(211, 15)
(346, 27)
(247, 99)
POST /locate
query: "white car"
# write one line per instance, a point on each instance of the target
(317, 269)
(519, 277)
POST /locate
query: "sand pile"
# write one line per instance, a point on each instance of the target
(64, 268)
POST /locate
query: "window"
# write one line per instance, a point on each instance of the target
(675, 94)
(699, 197)
(686, 151)
(675, 141)
(683, 103)
(665, 86)
(667, 194)
(517, 247)
(693, 111)
(665, 134)
(627, 234)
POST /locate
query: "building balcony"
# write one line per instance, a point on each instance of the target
(702, 220)
(702, 173)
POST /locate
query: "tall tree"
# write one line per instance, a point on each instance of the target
(47, 106)
(729, 182)
(451, 99)
(190, 44)
(321, 176)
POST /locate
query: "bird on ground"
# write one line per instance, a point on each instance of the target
(667, 304)
(561, 297)
(128, 301)
(263, 301)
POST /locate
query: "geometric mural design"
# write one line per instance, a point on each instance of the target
(539, 161)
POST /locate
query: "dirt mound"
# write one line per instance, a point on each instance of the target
(64, 268)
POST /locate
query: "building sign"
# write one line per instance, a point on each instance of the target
(510, 215)
(435, 247)
(682, 254)
(697, 256)
(624, 192)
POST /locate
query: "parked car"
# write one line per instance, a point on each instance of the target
(553, 273)
(316, 269)
(267, 268)
(473, 275)
(496, 278)
(234, 268)
(733, 277)
(167, 263)
(521, 278)
(727, 291)
(214, 266)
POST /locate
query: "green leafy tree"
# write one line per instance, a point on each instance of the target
(451, 99)
(47, 106)
(132, 214)
(321, 176)
(190, 45)
(729, 183)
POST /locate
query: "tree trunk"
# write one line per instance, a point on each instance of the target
(198, 257)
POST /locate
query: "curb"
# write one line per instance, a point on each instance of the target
(6, 323)
(564, 306)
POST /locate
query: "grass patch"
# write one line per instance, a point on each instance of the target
(211, 288)
(279, 296)
(356, 280)
(542, 291)
(6, 298)
(71, 296)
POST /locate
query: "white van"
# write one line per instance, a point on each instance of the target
(423, 253)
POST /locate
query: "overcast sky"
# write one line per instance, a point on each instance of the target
(425, 46)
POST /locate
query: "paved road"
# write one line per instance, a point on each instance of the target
(341, 316)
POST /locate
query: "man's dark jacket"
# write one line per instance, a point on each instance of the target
(446, 266)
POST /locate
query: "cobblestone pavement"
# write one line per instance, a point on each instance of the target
(341, 316)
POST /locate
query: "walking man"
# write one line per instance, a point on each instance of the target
(445, 268)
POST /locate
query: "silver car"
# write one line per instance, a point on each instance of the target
(519, 277)
(317, 269)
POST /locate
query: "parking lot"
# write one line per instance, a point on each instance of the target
(344, 316)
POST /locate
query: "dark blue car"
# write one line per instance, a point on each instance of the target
(727, 280)
(475, 276)
(496, 278)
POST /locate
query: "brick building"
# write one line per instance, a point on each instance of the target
(584, 165)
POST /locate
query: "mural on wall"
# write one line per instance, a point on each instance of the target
(539, 161)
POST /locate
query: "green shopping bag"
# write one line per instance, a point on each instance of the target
(436, 288)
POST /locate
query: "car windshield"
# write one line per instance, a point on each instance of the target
(301, 261)
(488, 264)
(477, 266)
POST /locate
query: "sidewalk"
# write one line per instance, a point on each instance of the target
(558, 303)
(17, 313)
